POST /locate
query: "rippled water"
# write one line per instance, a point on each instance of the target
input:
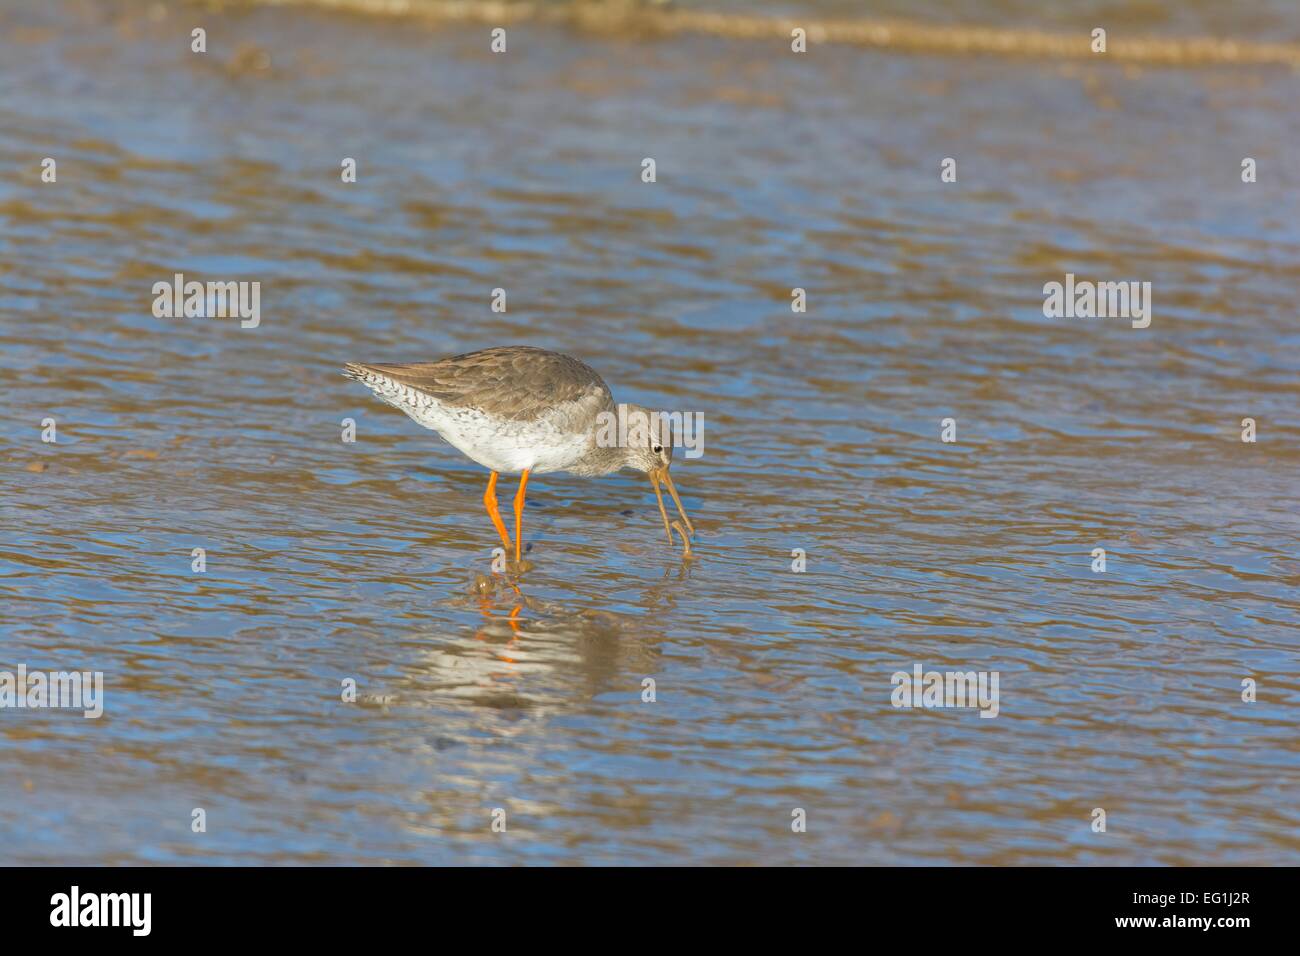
(328, 560)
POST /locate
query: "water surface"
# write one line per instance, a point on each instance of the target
(328, 560)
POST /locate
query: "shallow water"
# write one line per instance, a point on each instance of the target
(328, 560)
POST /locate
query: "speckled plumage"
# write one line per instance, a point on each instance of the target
(508, 409)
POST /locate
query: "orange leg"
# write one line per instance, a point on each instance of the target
(519, 516)
(490, 502)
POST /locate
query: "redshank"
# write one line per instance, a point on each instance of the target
(522, 410)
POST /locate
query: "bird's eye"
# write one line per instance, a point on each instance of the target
(658, 449)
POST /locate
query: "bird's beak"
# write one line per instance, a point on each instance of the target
(661, 474)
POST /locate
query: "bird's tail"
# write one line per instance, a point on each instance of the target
(357, 372)
(382, 384)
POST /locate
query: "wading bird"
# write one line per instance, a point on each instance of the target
(525, 411)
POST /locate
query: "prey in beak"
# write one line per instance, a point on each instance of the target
(661, 474)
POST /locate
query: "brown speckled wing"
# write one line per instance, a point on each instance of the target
(513, 382)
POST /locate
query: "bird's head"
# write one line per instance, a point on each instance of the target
(650, 450)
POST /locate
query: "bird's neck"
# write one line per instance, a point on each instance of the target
(602, 461)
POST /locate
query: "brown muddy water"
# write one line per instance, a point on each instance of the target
(328, 561)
